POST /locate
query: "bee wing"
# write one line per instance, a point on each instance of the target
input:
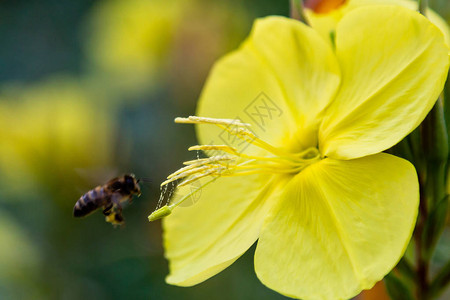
(120, 200)
(111, 182)
(116, 198)
(96, 176)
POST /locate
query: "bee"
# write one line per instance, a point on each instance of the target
(110, 197)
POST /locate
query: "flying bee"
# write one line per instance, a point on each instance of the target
(110, 197)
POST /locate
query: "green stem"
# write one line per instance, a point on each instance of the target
(436, 151)
(297, 11)
(434, 142)
(421, 263)
(423, 4)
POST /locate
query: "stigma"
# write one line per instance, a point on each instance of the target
(228, 161)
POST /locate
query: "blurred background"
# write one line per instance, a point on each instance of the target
(89, 90)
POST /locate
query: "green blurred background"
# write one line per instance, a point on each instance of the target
(89, 90)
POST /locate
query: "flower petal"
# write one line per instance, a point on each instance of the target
(325, 23)
(389, 81)
(339, 227)
(284, 63)
(203, 239)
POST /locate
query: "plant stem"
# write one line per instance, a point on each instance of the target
(421, 262)
(297, 11)
(423, 4)
(432, 180)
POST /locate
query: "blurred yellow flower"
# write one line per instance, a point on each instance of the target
(324, 15)
(136, 45)
(210, 29)
(17, 254)
(129, 41)
(332, 214)
(50, 129)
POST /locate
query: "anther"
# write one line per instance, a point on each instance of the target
(232, 162)
(160, 213)
(223, 148)
(202, 120)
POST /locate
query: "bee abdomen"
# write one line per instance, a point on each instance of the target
(90, 201)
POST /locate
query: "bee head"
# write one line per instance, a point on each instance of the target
(132, 184)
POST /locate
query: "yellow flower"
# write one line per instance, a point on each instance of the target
(129, 41)
(327, 13)
(51, 128)
(303, 173)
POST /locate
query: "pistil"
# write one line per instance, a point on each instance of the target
(232, 162)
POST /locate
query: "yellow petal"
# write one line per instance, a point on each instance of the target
(203, 239)
(285, 65)
(325, 23)
(339, 227)
(411, 4)
(394, 64)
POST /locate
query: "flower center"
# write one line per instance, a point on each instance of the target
(229, 162)
(324, 6)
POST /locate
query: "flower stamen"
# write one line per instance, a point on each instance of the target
(231, 162)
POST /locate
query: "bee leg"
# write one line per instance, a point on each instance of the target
(114, 210)
(107, 210)
(118, 218)
(118, 209)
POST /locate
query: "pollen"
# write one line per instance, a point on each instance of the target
(230, 162)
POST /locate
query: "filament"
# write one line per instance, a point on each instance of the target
(231, 162)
